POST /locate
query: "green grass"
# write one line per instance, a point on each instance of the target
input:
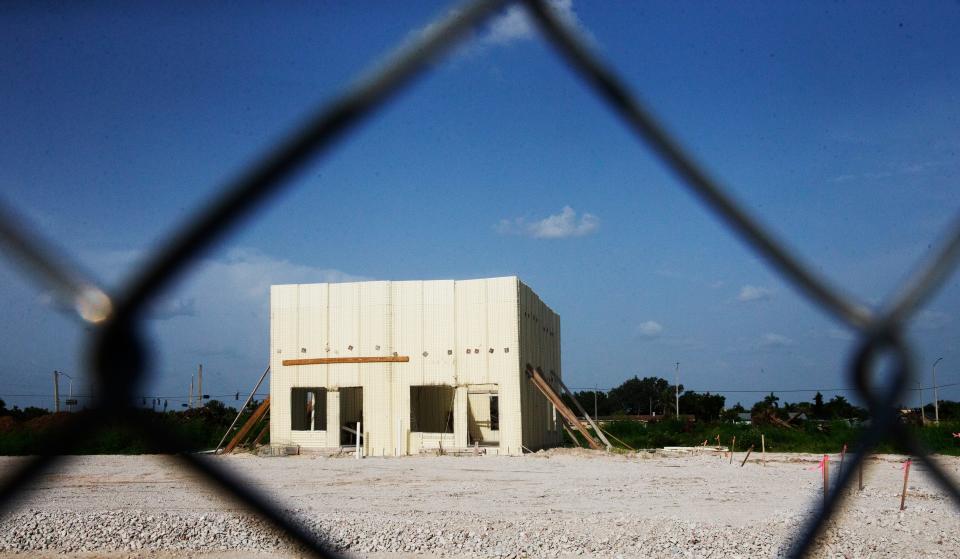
(813, 438)
(192, 430)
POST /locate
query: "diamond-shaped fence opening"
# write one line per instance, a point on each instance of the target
(117, 346)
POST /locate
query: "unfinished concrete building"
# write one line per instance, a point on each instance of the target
(421, 365)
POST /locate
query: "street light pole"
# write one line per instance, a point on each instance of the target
(923, 413)
(936, 394)
(677, 389)
(56, 391)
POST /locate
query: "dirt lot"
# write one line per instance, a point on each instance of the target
(556, 503)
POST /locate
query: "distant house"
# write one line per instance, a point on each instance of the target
(744, 418)
(796, 417)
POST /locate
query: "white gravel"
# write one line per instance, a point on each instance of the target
(555, 504)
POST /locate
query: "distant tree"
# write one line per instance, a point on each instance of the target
(770, 402)
(818, 409)
(640, 396)
(949, 410)
(27, 413)
(706, 407)
(732, 414)
(3, 407)
(839, 408)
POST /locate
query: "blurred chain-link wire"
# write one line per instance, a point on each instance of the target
(118, 357)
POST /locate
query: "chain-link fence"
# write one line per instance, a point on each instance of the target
(118, 350)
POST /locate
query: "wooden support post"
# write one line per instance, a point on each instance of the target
(566, 412)
(906, 476)
(843, 454)
(763, 448)
(245, 430)
(749, 450)
(243, 407)
(612, 436)
(596, 428)
(733, 445)
(576, 441)
(263, 433)
(358, 440)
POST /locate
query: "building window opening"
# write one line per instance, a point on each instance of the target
(494, 413)
(308, 409)
(431, 409)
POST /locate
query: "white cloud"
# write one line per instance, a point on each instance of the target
(753, 293)
(650, 329)
(511, 26)
(515, 25)
(775, 340)
(557, 226)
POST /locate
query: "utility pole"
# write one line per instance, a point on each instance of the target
(190, 399)
(56, 391)
(595, 401)
(200, 387)
(677, 389)
(936, 394)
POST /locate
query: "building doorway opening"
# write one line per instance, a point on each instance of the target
(483, 416)
(351, 412)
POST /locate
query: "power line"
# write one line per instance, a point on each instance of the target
(775, 391)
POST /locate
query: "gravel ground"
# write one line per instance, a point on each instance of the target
(560, 503)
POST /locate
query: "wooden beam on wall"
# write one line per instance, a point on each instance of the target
(337, 360)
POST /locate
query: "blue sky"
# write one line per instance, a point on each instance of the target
(836, 125)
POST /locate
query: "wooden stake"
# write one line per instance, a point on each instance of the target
(906, 476)
(763, 448)
(826, 477)
(749, 450)
(843, 454)
(733, 445)
(358, 440)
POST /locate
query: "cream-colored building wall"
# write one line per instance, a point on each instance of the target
(539, 347)
(456, 333)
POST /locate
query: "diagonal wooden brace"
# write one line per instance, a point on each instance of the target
(565, 411)
(245, 430)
